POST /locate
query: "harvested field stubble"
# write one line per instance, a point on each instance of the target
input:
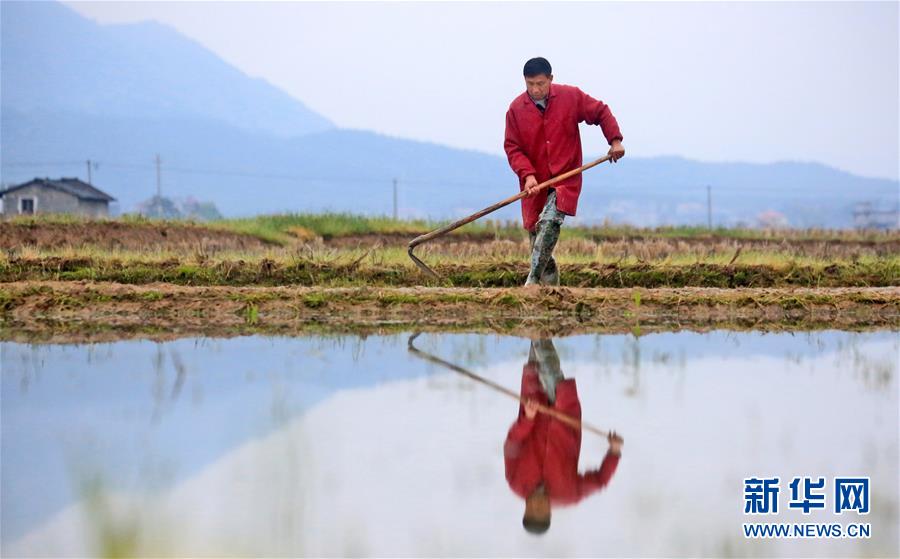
(113, 234)
(370, 268)
(333, 274)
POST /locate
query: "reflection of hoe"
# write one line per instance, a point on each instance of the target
(457, 224)
(568, 420)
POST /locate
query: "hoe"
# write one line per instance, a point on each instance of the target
(568, 420)
(459, 223)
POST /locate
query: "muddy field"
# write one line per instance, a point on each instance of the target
(113, 279)
(55, 310)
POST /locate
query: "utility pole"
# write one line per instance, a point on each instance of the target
(158, 187)
(709, 207)
(89, 170)
(395, 198)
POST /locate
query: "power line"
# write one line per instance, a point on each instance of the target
(40, 163)
(656, 189)
(267, 176)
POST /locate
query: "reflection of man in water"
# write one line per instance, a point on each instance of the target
(541, 452)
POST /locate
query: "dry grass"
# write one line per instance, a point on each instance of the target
(193, 255)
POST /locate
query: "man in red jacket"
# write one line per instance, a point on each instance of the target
(541, 453)
(543, 141)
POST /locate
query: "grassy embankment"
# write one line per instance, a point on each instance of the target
(338, 272)
(334, 250)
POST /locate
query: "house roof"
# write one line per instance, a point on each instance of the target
(71, 185)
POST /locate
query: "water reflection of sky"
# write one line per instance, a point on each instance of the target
(287, 445)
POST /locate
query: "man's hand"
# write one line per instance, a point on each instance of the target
(616, 151)
(615, 443)
(530, 183)
(531, 409)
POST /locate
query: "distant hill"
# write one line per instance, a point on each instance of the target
(56, 60)
(247, 173)
(73, 90)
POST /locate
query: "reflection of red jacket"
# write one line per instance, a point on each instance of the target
(548, 144)
(545, 449)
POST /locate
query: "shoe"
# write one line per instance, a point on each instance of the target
(551, 274)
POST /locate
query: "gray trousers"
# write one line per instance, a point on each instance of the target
(544, 354)
(543, 240)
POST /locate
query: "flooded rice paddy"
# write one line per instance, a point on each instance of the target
(333, 446)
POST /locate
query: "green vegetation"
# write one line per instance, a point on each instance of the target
(284, 228)
(315, 301)
(251, 314)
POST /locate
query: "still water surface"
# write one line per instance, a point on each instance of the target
(354, 446)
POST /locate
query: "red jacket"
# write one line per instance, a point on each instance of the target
(545, 449)
(549, 144)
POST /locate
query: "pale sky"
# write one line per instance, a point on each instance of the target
(756, 82)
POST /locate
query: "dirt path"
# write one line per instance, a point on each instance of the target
(66, 311)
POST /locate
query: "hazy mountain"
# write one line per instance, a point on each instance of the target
(246, 173)
(56, 60)
(73, 90)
